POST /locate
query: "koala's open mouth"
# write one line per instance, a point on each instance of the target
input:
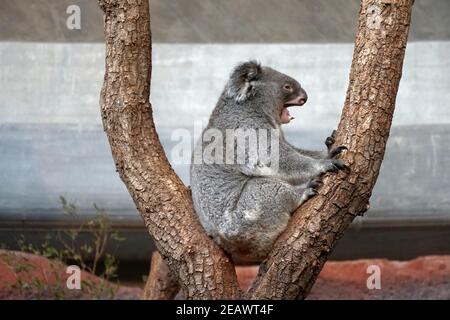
(285, 115)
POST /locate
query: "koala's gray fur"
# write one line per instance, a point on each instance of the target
(242, 206)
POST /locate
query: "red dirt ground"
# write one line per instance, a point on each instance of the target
(27, 276)
(421, 278)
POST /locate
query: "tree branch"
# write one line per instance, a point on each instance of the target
(161, 284)
(301, 251)
(203, 270)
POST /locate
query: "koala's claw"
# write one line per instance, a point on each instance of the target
(340, 165)
(330, 140)
(334, 165)
(334, 152)
(311, 188)
(314, 183)
(309, 193)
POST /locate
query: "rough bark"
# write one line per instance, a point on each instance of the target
(200, 266)
(301, 251)
(203, 270)
(161, 284)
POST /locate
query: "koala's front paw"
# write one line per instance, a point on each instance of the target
(314, 183)
(334, 165)
(334, 152)
(311, 188)
(308, 194)
(329, 141)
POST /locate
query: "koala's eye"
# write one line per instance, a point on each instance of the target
(287, 87)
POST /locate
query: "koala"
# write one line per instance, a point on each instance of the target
(244, 207)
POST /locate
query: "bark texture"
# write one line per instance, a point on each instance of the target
(161, 284)
(202, 269)
(301, 251)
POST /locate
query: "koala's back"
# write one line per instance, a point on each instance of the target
(240, 212)
(237, 210)
(215, 190)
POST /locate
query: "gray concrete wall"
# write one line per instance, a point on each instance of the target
(52, 143)
(224, 21)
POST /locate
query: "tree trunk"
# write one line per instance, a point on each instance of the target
(161, 284)
(201, 268)
(301, 251)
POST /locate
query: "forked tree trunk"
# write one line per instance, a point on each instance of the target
(201, 268)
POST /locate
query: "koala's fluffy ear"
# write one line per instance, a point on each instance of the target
(240, 84)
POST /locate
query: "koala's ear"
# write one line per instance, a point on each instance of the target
(240, 85)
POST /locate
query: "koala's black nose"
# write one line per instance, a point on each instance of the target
(303, 97)
(299, 100)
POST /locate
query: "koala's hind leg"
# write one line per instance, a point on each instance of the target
(263, 210)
